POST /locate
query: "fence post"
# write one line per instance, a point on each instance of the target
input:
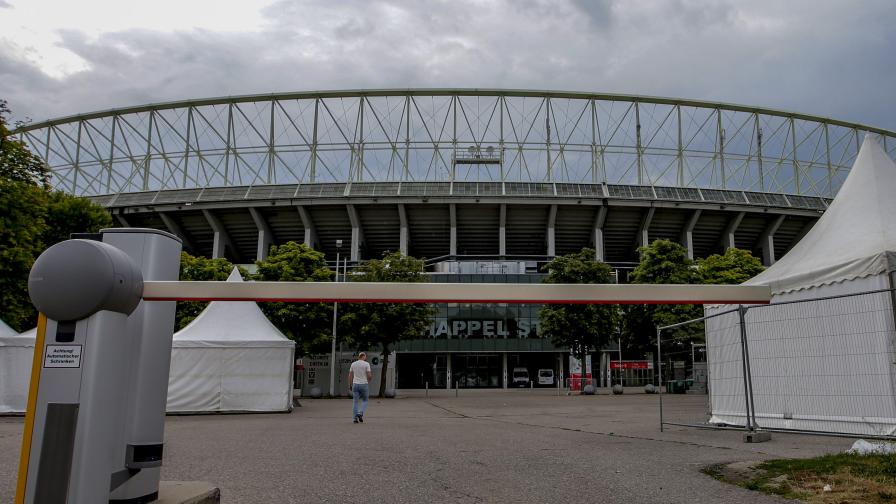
(659, 366)
(749, 366)
(741, 311)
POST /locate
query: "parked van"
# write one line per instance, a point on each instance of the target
(545, 376)
(520, 377)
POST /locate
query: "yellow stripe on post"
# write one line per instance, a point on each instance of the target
(30, 409)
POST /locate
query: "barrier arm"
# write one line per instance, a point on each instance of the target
(388, 292)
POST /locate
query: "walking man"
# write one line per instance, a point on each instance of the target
(360, 375)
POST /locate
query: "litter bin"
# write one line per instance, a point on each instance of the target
(675, 387)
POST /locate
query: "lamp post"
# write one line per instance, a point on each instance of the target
(333, 346)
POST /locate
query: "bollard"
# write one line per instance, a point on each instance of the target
(455, 389)
(531, 386)
(427, 389)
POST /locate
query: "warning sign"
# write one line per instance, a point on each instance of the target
(63, 356)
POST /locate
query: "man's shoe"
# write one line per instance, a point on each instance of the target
(356, 419)
(361, 418)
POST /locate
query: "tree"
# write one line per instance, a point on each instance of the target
(735, 266)
(199, 269)
(662, 262)
(22, 214)
(583, 328)
(67, 214)
(31, 218)
(381, 325)
(17, 163)
(308, 324)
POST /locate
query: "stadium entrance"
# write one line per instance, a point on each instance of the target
(477, 369)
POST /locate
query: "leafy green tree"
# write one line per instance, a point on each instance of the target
(22, 213)
(17, 163)
(31, 218)
(381, 325)
(199, 269)
(662, 262)
(67, 214)
(583, 328)
(308, 324)
(735, 266)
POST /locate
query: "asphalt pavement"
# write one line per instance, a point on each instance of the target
(514, 446)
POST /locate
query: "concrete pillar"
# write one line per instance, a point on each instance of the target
(727, 240)
(448, 374)
(310, 232)
(552, 220)
(598, 233)
(221, 239)
(175, 229)
(687, 234)
(502, 231)
(403, 233)
(265, 236)
(452, 244)
(767, 241)
(357, 233)
(643, 238)
(504, 367)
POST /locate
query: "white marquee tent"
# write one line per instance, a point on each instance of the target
(823, 365)
(230, 358)
(16, 356)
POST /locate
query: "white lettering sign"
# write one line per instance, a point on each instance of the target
(485, 329)
(63, 356)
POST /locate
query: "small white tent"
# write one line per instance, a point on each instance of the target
(824, 365)
(230, 358)
(16, 357)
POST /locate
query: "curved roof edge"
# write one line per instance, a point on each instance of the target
(351, 93)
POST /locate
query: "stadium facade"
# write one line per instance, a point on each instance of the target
(488, 185)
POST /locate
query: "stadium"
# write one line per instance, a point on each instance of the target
(487, 185)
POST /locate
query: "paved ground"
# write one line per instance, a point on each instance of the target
(496, 446)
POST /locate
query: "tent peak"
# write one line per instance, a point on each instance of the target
(235, 275)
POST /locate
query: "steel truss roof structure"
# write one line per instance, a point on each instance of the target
(456, 174)
(447, 135)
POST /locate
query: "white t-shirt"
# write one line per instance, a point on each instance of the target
(359, 371)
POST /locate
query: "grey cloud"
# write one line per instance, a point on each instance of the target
(822, 58)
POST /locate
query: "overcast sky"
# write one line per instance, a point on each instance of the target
(828, 58)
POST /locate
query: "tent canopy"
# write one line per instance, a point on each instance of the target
(856, 236)
(231, 324)
(5, 330)
(12, 338)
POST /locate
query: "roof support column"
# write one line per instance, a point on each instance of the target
(643, 238)
(222, 239)
(357, 233)
(452, 241)
(265, 237)
(310, 232)
(687, 234)
(727, 240)
(597, 233)
(552, 220)
(502, 231)
(178, 231)
(767, 241)
(403, 234)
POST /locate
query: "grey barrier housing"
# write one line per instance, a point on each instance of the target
(98, 422)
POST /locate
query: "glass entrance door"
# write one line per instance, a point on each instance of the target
(476, 370)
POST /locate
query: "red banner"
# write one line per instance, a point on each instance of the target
(639, 364)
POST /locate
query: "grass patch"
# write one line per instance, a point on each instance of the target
(852, 478)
